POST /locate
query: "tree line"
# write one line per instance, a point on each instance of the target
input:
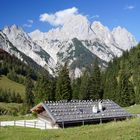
(118, 82)
(88, 86)
(122, 78)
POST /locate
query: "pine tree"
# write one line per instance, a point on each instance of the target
(76, 88)
(63, 84)
(29, 97)
(52, 89)
(111, 88)
(127, 94)
(136, 79)
(42, 89)
(84, 87)
(95, 82)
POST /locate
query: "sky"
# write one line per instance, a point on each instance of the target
(47, 14)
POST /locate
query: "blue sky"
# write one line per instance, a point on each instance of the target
(111, 13)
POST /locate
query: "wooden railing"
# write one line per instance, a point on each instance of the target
(27, 123)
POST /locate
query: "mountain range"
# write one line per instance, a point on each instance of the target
(79, 44)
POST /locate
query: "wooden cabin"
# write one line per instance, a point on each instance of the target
(75, 112)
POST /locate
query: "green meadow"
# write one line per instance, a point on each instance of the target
(6, 83)
(121, 130)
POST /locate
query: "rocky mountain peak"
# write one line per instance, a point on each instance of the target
(37, 35)
(77, 41)
(123, 38)
(102, 32)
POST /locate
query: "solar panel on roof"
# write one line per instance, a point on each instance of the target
(82, 110)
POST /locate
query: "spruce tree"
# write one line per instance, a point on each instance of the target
(42, 89)
(29, 97)
(136, 79)
(127, 94)
(52, 89)
(111, 87)
(84, 87)
(76, 88)
(63, 84)
(95, 82)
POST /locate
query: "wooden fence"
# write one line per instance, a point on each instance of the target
(28, 123)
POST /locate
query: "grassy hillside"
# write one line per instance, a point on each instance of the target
(125, 130)
(12, 111)
(134, 109)
(6, 83)
(9, 109)
(11, 118)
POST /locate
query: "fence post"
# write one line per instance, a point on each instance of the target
(45, 125)
(63, 124)
(14, 123)
(24, 123)
(83, 122)
(35, 124)
(100, 121)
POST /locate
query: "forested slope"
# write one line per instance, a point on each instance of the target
(122, 78)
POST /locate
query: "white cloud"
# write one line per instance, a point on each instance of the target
(29, 23)
(129, 7)
(60, 17)
(95, 16)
